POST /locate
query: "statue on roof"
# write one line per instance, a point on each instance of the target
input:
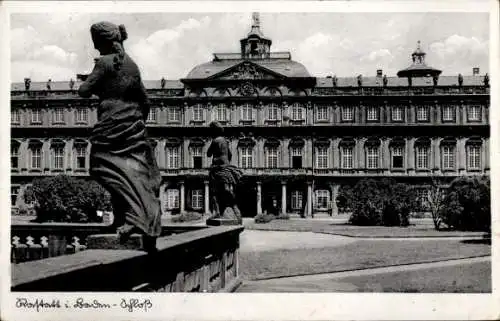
(384, 80)
(71, 83)
(334, 80)
(435, 79)
(486, 80)
(49, 82)
(27, 83)
(360, 80)
(460, 80)
(163, 82)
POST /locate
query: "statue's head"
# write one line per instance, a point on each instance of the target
(107, 36)
(216, 129)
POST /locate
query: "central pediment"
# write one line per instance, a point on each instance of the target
(246, 70)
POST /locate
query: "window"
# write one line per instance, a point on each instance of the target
(36, 157)
(246, 157)
(15, 116)
(247, 112)
(174, 115)
(422, 113)
(322, 113)
(198, 112)
(322, 198)
(346, 159)
(152, 115)
(272, 157)
(372, 113)
(372, 157)
(422, 154)
(397, 113)
(322, 157)
(197, 157)
(296, 153)
(221, 113)
(36, 116)
(172, 199)
(474, 113)
(14, 191)
(448, 157)
(474, 157)
(297, 112)
(81, 156)
(59, 116)
(82, 115)
(448, 113)
(197, 199)
(272, 112)
(58, 157)
(347, 113)
(296, 200)
(397, 157)
(172, 157)
(14, 155)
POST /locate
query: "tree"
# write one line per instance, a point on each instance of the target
(435, 201)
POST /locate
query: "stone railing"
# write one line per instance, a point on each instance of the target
(202, 260)
(35, 241)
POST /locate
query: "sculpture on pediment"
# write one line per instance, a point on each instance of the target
(247, 71)
(247, 89)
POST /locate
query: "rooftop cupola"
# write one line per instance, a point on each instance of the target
(419, 68)
(255, 45)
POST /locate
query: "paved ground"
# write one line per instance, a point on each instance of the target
(253, 241)
(464, 276)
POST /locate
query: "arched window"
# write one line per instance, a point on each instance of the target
(422, 153)
(398, 154)
(474, 159)
(57, 154)
(322, 145)
(372, 149)
(14, 154)
(245, 150)
(173, 153)
(272, 154)
(347, 153)
(448, 153)
(35, 149)
(80, 147)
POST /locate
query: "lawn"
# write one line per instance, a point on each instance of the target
(358, 255)
(310, 225)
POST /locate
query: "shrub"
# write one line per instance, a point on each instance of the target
(345, 198)
(64, 198)
(186, 217)
(466, 204)
(264, 218)
(283, 216)
(381, 202)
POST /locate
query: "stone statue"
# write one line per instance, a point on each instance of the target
(49, 83)
(71, 84)
(486, 80)
(223, 177)
(384, 80)
(360, 80)
(460, 80)
(27, 84)
(163, 82)
(334, 81)
(122, 158)
(435, 79)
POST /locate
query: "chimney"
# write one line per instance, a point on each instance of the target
(379, 72)
(475, 71)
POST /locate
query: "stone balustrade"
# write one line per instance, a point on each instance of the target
(198, 260)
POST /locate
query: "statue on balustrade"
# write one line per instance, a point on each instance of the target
(121, 157)
(223, 177)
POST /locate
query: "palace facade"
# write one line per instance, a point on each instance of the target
(298, 138)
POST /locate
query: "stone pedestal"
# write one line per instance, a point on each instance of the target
(112, 242)
(229, 218)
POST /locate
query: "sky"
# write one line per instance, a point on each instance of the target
(58, 45)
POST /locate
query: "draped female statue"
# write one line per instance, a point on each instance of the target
(223, 176)
(121, 157)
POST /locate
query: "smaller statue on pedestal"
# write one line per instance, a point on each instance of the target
(223, 177)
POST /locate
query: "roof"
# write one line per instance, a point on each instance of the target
(64, 85)
(397, 82)
(418, 71)
(286, 67)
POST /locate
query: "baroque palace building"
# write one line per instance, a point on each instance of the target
(298, 138)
